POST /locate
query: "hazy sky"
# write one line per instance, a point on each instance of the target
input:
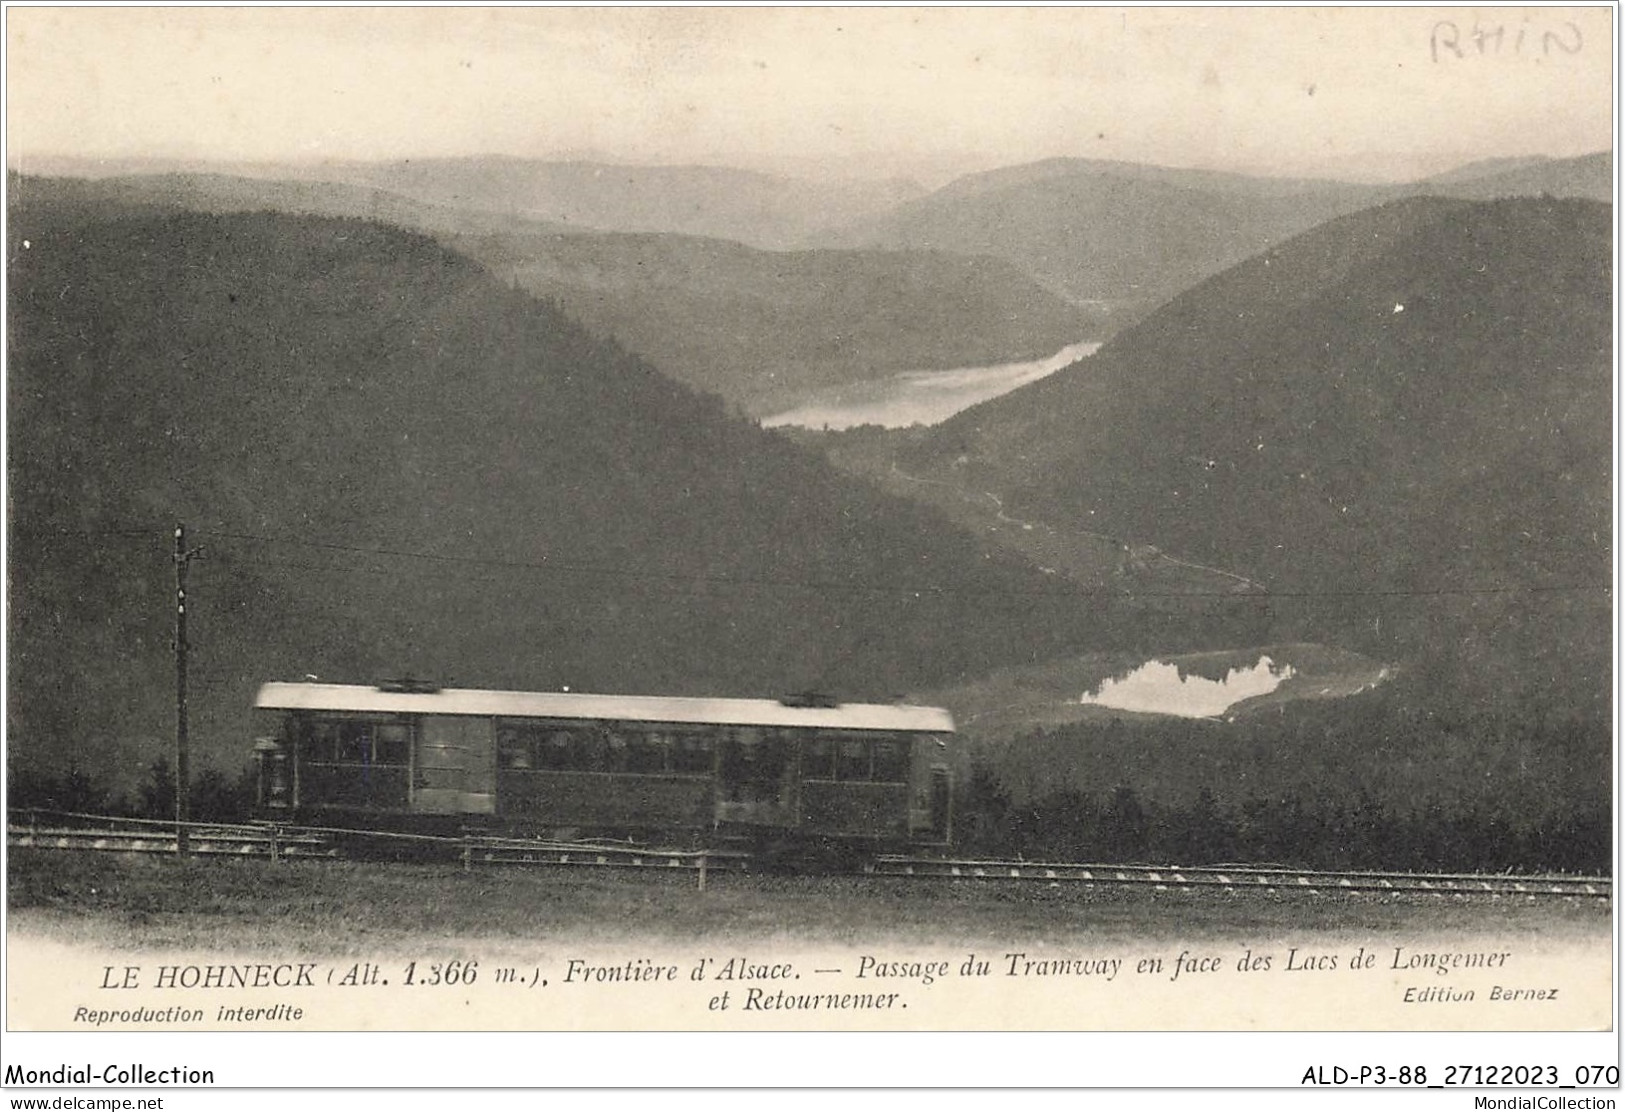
(1348, 91)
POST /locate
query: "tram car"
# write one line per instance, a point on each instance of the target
(802, 770)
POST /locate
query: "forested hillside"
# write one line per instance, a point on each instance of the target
(764, 329)
(1398, 422)
(393, 465)
(761, 329)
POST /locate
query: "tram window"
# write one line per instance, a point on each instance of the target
(393, 745)
(513, 749)
(355, 743)
(768, 761)
(891, 760)
(595, 749)
(818, 762)
(557, 752)
(646, 752)
(591, 752)
(319, 742)
(852, 760)
(615, 749)
(692, 754)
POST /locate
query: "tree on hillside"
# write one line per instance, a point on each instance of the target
(157, 799)
(217, 797)
(75, 791)
(1200, 835)
(984, 811)
(1124, 826)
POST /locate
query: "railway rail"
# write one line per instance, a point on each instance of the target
(1273, 879)
(277, 842)
(204, 841)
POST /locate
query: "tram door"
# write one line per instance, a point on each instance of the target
(755, 776)
(942, 802)
(455, 772)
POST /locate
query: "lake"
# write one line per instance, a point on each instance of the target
(921, 397)
(1163, 687)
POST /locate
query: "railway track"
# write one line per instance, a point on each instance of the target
(203, 841)
(277, 842)
(1236, 878)
(274, 842)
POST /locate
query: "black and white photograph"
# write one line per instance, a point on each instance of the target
(894, 527)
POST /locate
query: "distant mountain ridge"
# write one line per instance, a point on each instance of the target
(764, 210)
(1119, 238)
(716, 202)
(1134, 235)
(1095, 234)
(1589, 177)
(1060, 169)
(224, 193)
(1489, 167)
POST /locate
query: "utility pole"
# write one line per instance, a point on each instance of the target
(183, 772)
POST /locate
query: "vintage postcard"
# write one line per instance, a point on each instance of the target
(559, 524)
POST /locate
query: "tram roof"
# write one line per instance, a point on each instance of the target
(621, 708)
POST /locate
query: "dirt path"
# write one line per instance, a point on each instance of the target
(1051, 531)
